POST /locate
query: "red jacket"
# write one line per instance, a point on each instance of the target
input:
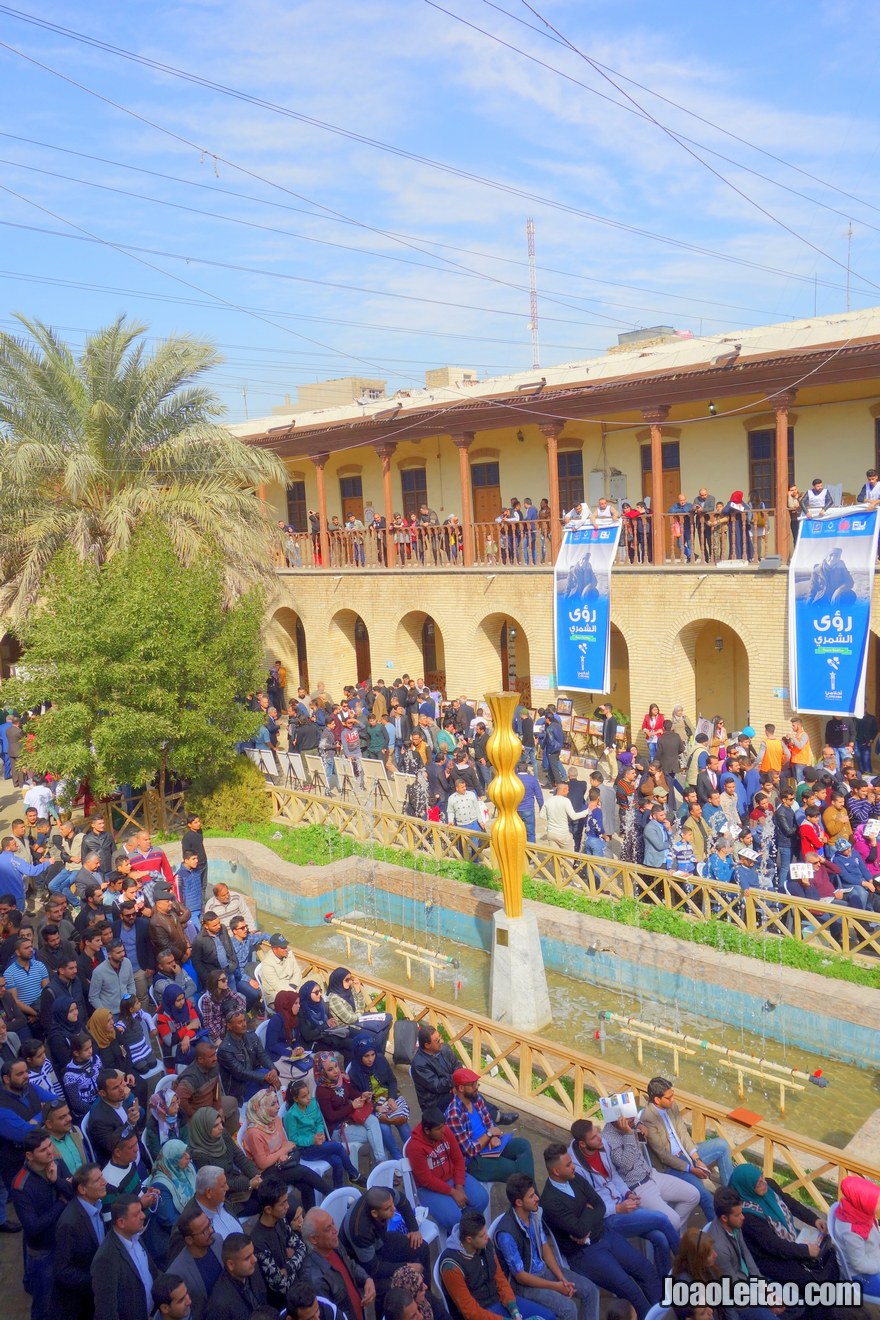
(436, 1164)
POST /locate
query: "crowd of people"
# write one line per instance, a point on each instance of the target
(699, 530)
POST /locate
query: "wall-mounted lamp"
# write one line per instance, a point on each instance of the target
(511, 633)
(520, 437)
(719, 643)
(713, 411)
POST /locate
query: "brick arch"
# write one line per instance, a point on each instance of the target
(286, 640)
(412, 647)
(348, 642)
(495, 648)
(710, 658)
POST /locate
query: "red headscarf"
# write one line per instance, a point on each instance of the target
(858, 1204)
(287, 1008)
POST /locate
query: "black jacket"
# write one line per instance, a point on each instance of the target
(786, 824)
(432, 1077)
(54, 990)
(103, 845)
(571, 1217)
(146, 954)
(204, 953)
(194, 841)
(39, 1203)
(104, 1127)
(229, 1301)
(75, 1247)
(366, 1240)
(329, 1283)
(305, 739)
(116, 1283)
(242, 1059)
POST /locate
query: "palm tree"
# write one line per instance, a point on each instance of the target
(92, 446)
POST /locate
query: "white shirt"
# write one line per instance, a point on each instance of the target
(606, 515)
(558, 811)
(41, 797)
(575, 519)
(816, 499)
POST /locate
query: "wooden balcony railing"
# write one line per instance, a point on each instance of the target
(561, 1083)
(688, 539)
(824, 926)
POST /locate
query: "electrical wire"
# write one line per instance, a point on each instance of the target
(495, 184)
(432, 242)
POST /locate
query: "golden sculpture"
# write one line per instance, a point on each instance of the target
(506, 792)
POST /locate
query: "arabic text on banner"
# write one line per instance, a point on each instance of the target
(582, 607)
(830, 584)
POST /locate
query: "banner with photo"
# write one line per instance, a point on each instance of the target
(830, 584)
(582, 607)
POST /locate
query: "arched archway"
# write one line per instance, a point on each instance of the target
(420, 646)
(720, 666)
(350, 645)
(618, 693)
(10, 654)
(286, 641)
(503, 654)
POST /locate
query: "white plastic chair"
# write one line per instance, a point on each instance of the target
(261, 1029)
(383, 1174)
(437, 1283)
(869, 1299)
(428, 1227)
(338, 1202)
(84, 1133)
(165, 1085)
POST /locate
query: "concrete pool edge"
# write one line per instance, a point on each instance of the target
(268, 878)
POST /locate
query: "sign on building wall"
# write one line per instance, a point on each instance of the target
(830, 583)
(582, 608)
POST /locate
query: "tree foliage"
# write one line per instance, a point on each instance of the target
(138, 655)
(94, 445)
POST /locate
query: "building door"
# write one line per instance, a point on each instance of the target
(361, 649)
(486, 486)
(762, 464)
(297, 513)
(433, 657)
(671, 484)
(570, 466)
(351, 494)
(414, 487)
(302, 655)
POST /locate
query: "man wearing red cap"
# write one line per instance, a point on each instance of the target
(489, 1157)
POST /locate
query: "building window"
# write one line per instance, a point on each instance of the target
(351, 494)
(484, 474)
(762, 464)
(297, 513)
(414, 484)
(570, 467)
(671, 457)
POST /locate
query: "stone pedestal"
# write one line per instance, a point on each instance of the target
(518, 994)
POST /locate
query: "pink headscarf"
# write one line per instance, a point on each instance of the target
(859, 1201)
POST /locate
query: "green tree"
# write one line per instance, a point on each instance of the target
(142, 661)
(93, 445)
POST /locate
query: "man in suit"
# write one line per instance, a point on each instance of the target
(115, 1107)
(122, 1272)
(735, 1260)
(13, 748)
(330, 1269)
(240, 1289)
(708, 780)
(78, 1234)
(576, 1215)
(210, 946)
(199, 1262)
(577, 796)
(674, 1150)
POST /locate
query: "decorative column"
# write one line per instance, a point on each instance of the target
(518, 993)
(780, 403)
(463, 443)
(385, 452)
(320, 462)
(655, 417)
(551, 432)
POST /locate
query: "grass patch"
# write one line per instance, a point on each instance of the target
(318, 845)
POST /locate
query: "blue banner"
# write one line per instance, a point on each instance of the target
(830, 584)
(582, 607)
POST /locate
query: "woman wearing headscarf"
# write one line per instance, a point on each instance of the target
(64, 1025)
(270, 1148)
(345, 1000)
(771, 1229)
(112, 1051)
(739, 511)
(347, 1112)
(282, 1036)
(165, 1121)
(857, 1234)
(277, 1238)
(371, 1072)
(304, 1124)
(317, 1026)
(177, 1024)
(174, 1178)
(413, 1281)
(210, 1143)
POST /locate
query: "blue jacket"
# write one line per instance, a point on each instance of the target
(554, 738)
(13, 872)
(656, 845)
(533, 798)
(721, 868)
(852, 870)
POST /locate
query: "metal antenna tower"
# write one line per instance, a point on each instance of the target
(533, 294)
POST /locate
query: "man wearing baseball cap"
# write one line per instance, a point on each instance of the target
(279, 970)
(489, 1157)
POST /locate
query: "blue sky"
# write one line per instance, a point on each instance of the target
(293, 292)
